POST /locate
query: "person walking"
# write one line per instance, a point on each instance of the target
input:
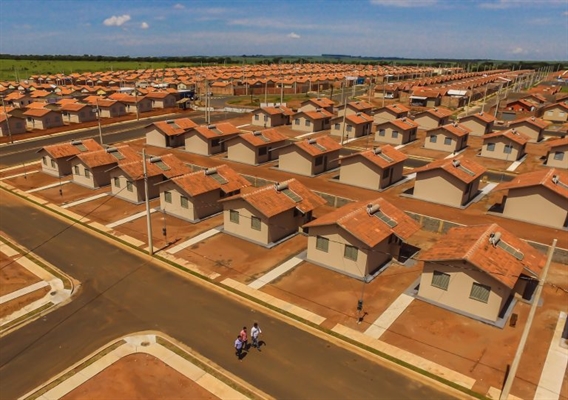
(244, 337)
(254, 333)
(239, 348)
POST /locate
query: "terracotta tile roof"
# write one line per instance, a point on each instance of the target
(471, 243)
(511, 134)
(263, 138)
(315, 115)
(401, 123)
(454, 128)
(481, 116)
(272, 200)
(368, 224)
(173, 127)
(66, 101)
(72, 148)
(38, 112)
(537, 122)
(220, 130)
(74, 106)
(99, 158)
(200, 182)
(557, 143)
(438, 112)
(561, 105)
(385, 156)
(172, 167)
(158, 95)
(396, 108)
(359, 105)
(276, 110)
(359, 118)
(322, 102)
(553, 179)
(106, 103)
(36, 105)
(464, 169)
(318, 146)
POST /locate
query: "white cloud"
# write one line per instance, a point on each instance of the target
(116, 20)
(293, 35)
(404, 3)
(565, 13)
(144, 25)
(518, 50)
(179, 6)
(160, 18)
(502, 4)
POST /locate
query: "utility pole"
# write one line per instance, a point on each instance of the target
(99, 121)
(147, 201)
(344, 111)
(136, 100)
(7, 121)
(524, 336)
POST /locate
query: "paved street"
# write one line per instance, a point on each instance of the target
(122, 293)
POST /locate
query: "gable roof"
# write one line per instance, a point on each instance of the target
(318, 146)
(322, 102)
(173, 127)
(172, 166)
(511, 134)
(561, 105)
(315, 115)
(74, 107)
(464, 169)
(557, 143)
(38, 112)
(438, 113)
(395, 108)
(536, 122)
(72, 148)
(480, 116)
(553, 179)
(222, 129)
(275, 110)
(200, 182)
(262, 138)
(383, 157)
(109, 156)
(471, 243)
(401, 123)
(277, 198)
(370, 221)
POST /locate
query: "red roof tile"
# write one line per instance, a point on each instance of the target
(537, 122)
(263, 138)
(200, 182)
(481, 116)
(511, 134)
(385, 156)
(220, 130)
(557, 143)
(454, 128)
(72, 148)
(173, 167)
(553, 179)
(318, 146)
(464, 169)
(99, 158)
(174, 127)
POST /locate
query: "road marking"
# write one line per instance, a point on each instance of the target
(131, 218)
(195, 239)
(85, 200)
(387, 318)
(278, 271)
(48, 186)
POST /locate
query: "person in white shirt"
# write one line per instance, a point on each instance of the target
(254, 333)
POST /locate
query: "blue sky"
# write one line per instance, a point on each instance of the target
(495, 29)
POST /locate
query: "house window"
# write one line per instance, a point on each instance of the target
(257, 117)
(87, 173)
(381, 132)
(561, 114)
(44, 160)
(262, 151)
(559, 155)
(336, 127)
(508, 149)
(168, 197)
(319, 160)
(549, 113)
(215, 142)
(322, 244)
(350, 252)
(234, 216)
(440, 280)
(308, 122)
(116, 181)
(349, 128)
(255, 223)
(433, 139)
(447, 141)
(297, 121)
(265, 118)
(77, 171)
(394, 134)
(129, 186)
(184, 202)
(480, 292)
(53, 164)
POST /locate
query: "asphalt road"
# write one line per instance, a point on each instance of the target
(123, 293)
(24, 152)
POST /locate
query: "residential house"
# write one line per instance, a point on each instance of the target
(256, 147)
(520, 105)
(78, 112)
(55, 158)
(479, 124)
(161, 99)
(18, 99)
(359, 239)
(315, 104)
(374, 169)
(477, 270)
(351, 126)
(109, 108)
(425, 97)
(451, 138)
(310, 156)
(390, 112)
(452, 182)
(532, 127)
(128, 178)
(538, 197)
(355, 107)
(133, 104)
(92, 169)
(557, 155)
(210, 139)
(12, 125)
(433, 118)
(271, 213)
(506, 145)
(312, 121)
(271, 116)
(397, 132)
(168, 133)
(194, 196)
(557, 113)
(43, 119)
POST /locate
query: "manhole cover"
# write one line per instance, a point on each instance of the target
(145, 344)
(53, 293)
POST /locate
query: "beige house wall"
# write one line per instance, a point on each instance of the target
(197, 144)
(98, 176)
(137, 194)
(401, 138)
(517, 151)
(295, 161)
(54, 167)
(426, 122)
(313, 126)
(268, 121)
(17, 126)
(240, 151)
(457, 295)
(561, 162)
(477, 127)
(533, 133)
(351, 130)
(383, 116)
(457, 143)
(156, 138)
(439, 188)
(555, 114)
(116, 110)
(536, 205)
(198, 207)
(358, 171)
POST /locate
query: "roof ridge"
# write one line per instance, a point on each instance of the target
(478, 242)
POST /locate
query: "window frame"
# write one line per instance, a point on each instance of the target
(433, 139)
(168, 197)
(348, 250)
(473, 296)
(436, 276)
(234, 216)
(322, 244)
(255, 223)
(490, 146)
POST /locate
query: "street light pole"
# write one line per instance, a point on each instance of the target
(99, 121)
(7, 121)
(136, 100)
(147, 201)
